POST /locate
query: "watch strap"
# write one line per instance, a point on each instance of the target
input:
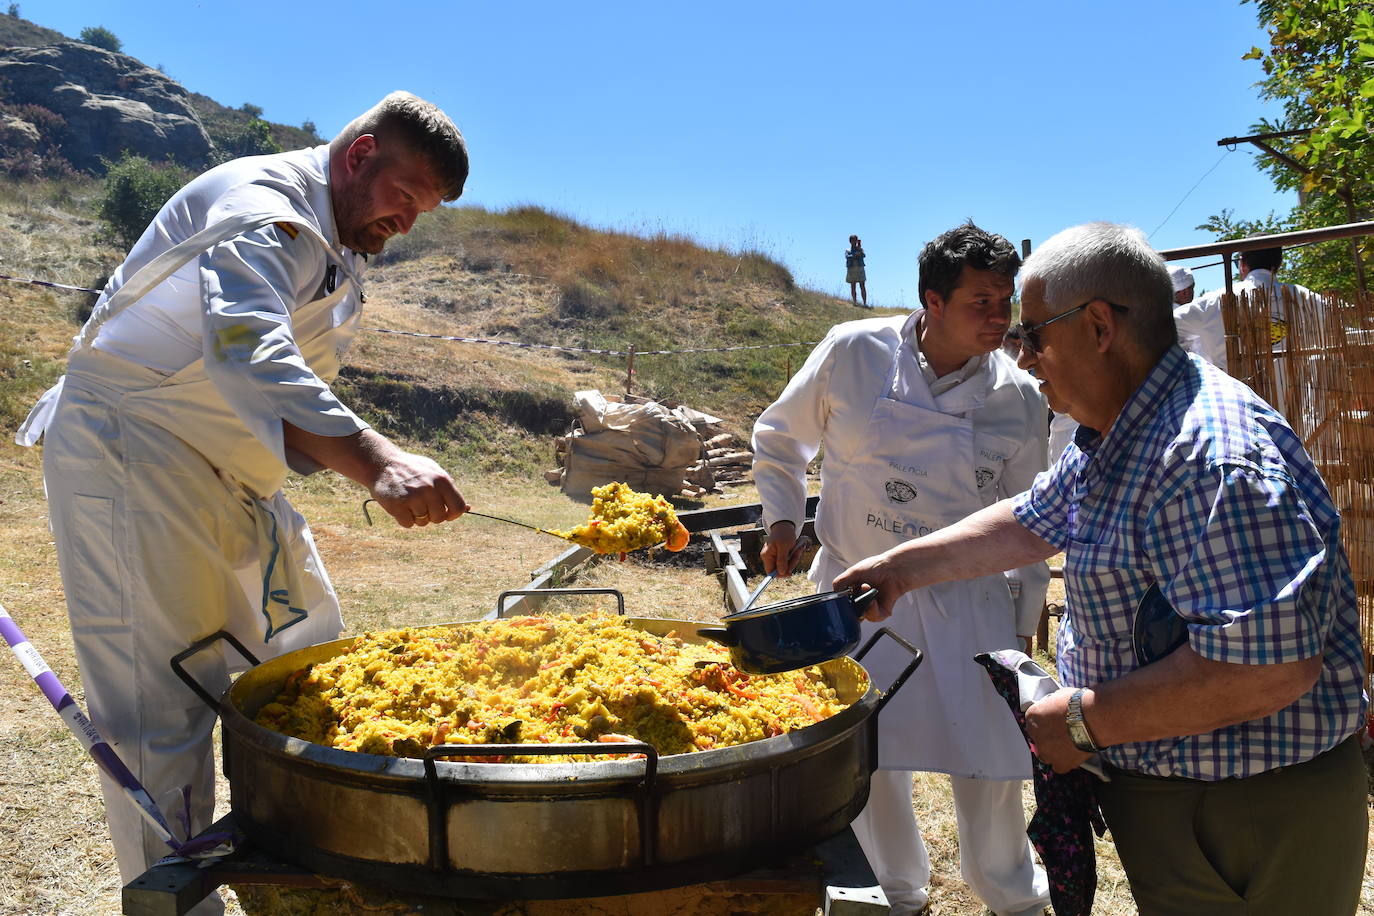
(1078, 728)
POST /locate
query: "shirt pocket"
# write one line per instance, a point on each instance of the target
(1105, 582)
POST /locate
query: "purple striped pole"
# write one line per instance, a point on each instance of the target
(105, 756)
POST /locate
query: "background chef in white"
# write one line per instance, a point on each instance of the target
(923, 419)
(1198, 318)
(204, 369)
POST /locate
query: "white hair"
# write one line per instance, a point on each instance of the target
(1110, 262)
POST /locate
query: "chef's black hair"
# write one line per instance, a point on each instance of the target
(945, 257)
(1263, 258)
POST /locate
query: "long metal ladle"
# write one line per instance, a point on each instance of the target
(797, 547)
(510, 521)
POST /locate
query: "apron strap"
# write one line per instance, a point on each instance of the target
(170, 261)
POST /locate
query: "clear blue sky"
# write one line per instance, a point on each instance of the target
(780, 126)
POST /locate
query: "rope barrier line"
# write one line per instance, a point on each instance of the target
(483, 340)
(530, 346)
(499, 343)
(79, 289)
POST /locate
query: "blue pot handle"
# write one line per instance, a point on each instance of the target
(864, 599)
(718, 634)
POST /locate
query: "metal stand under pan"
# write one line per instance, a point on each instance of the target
(832, 869)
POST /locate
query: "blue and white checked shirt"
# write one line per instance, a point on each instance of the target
(1202, 487)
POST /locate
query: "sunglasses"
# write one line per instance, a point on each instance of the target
(1027, 336)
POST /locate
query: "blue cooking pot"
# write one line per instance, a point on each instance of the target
(792, 634)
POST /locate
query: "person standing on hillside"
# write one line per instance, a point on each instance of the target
(854, 273)
(203, 376)
(924, 419)
(1226, 715)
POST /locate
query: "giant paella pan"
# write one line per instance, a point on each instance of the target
(622, 819)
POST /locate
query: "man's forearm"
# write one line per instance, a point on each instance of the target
(1181, 694)
(1186, 694)
(360, 457)
(989, 541)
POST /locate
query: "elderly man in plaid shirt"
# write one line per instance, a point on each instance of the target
(1236, 785)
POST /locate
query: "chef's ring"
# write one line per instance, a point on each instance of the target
(422, 517)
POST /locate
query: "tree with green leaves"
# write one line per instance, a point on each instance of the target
(1320, 67)
(101, 37)
(253, 139)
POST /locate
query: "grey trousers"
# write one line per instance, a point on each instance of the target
(1287, 841)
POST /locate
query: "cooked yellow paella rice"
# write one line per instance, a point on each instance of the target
(547, 680)
(623, 520)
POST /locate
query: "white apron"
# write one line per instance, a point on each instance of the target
(292, 603)
(919, 470)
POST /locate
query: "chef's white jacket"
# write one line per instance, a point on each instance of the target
(827, 404)
(242, 292)
(1201, 329)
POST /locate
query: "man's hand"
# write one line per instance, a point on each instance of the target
(883, 572)
(777, 550)
(416, 491)
(1049, 731)
(413, 488)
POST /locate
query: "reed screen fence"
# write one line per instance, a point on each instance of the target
(1312, 357)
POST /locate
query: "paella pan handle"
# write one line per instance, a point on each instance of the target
(648, 811)
(501, 600)
(899, 680)
(199, 646)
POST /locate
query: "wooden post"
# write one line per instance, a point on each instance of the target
(1025, 248)
(629, 370)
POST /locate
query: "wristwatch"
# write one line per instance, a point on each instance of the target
(1078, 729)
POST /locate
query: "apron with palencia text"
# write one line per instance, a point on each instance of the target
(920, 465)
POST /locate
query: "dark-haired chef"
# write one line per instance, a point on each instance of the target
(924, 419)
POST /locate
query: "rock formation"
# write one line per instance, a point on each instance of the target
(111, 103)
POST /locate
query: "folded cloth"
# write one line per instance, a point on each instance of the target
(1066, 809)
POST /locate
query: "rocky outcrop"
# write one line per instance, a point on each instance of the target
(111, 103)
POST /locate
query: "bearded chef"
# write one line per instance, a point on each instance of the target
(924, 419)
(202, 376)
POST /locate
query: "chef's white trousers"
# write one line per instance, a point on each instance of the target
(995, 856)
(148, 539)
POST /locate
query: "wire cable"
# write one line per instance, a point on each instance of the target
(1190, 191)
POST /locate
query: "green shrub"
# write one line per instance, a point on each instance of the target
(252, 139)
(101, 37)
(135, 189)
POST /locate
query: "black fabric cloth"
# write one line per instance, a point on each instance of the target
(1066, 813)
